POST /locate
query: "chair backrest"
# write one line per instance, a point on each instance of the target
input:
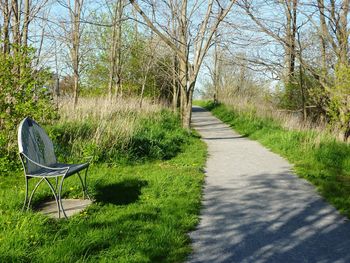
(35, 144)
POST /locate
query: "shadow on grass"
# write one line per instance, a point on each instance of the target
(123, 193)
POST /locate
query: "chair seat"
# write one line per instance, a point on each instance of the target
(73, 168)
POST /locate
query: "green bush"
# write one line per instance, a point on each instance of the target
(339, 94)
(22, 93)
(158, 139)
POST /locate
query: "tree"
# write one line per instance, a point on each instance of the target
(115, 69)
(282, 32)
(73, 34)
(192, 44)
(6, 12)
(335, 34)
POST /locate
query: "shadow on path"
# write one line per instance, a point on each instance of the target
(256, 225)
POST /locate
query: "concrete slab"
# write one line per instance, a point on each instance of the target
(256, 210)
(71, 207)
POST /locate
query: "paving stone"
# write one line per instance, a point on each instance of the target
(71, 207)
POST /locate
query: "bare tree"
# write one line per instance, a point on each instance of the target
(115, 69)
(190, 43)
(6, 12)
(26, 22)
(73, 32)
(283, 32)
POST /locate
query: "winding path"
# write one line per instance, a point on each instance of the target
(256, 210)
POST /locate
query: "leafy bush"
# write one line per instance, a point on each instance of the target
(159, 138)
(22, 93)
(339, 108)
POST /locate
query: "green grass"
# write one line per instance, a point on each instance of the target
(319, 158)
(146, 179)
(143, 211)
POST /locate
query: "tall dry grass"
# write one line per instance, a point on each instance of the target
(290, 120)
(100, 127)
(102, 108)
(119, 118)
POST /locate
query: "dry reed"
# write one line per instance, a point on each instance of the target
(290, 120)
(115, 121)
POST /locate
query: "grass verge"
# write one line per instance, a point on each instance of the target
(147, 191)
(142, 214)
(317, 157)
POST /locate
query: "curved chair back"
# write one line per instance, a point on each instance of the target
(35, 144)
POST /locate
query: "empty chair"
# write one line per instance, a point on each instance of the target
(39, 161)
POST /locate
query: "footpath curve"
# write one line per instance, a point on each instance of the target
(256, 210)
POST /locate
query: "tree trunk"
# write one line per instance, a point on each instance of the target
(26, 23)
(118, 84)
(175, 83)
(76, 88)
(16, 24)
(302, 89)
(143, 90)
(175, 71)
(183, 64)
(6, 23)
(343, 33)
(293, 37)
(323, 37)
(112, 60)
(187, 109)
(216, 70)
(76, 15)
(16, 41)
(291, 28)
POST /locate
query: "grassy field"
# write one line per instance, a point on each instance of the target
(146, 202)
(317, 156)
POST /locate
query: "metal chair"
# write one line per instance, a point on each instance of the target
(39, 161)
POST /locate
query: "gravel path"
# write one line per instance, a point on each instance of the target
(256, 210)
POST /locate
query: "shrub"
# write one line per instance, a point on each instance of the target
(22, 93)
(339, 108)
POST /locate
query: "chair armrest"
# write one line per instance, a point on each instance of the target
(47, 167)
(90, 158)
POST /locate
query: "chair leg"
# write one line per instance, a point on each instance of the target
(34, 190)
(84, 185)
(56, 183)
(26, 194)
(60, 199)
(55, 195)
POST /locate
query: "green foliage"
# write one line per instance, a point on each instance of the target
(142, 213)
(339, 108)
(318, 158)
(22, 93)
(290, 96)
(158, 139)
(141, 64)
